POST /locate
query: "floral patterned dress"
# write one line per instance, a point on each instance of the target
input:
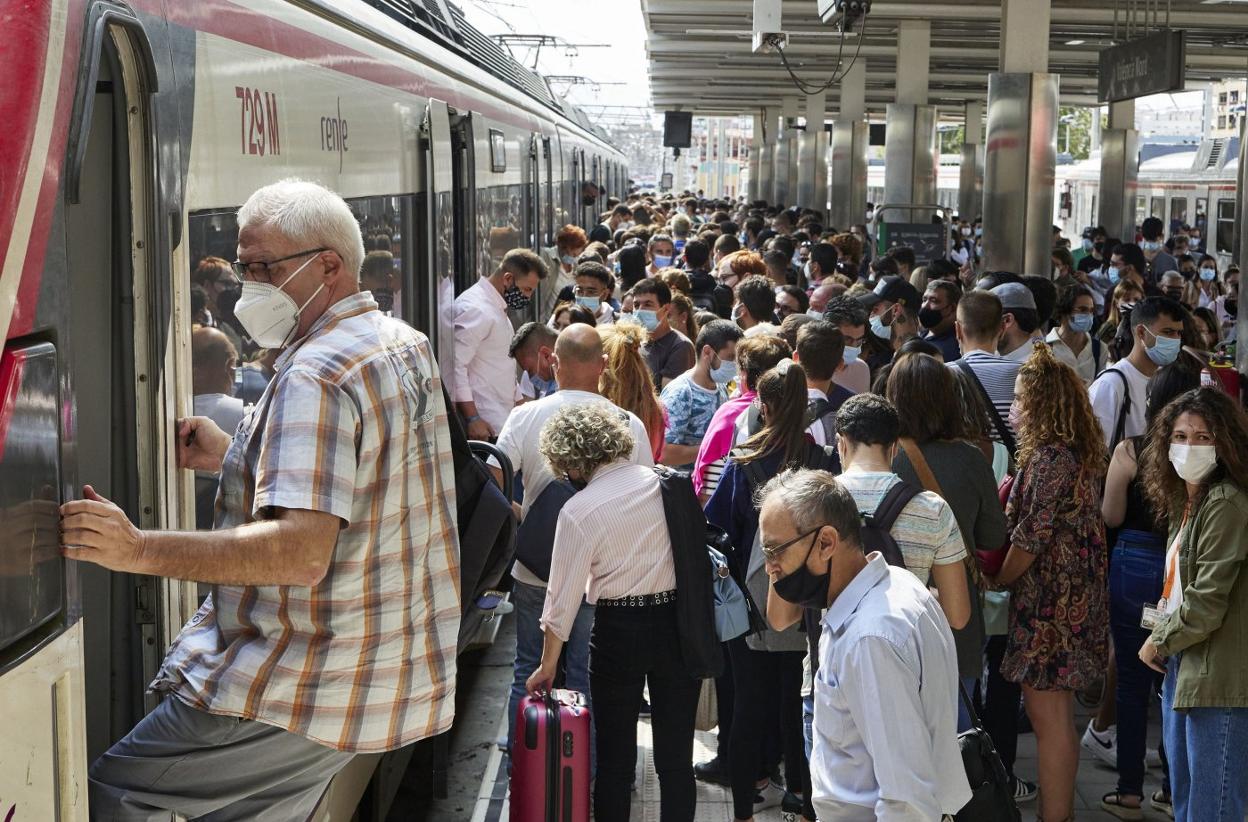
(1059, 608)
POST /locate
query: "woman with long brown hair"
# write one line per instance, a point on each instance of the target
(1056, 566)
(626, 381)
(1195, 473)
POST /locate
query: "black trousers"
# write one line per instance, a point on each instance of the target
(630, 648)
(1001, 700)
(767, 701)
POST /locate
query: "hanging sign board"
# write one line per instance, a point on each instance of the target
(1149, 65)
(927, 239)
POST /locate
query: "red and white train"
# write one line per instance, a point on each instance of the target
(131, 132)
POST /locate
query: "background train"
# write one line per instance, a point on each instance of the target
(133, 133)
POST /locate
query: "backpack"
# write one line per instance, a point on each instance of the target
(824, 411)
(700, 648)
(535, 538)
(1120, 427)
(877, 527)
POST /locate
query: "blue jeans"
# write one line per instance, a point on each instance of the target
(1206, 746)
(1136, 574)
(529, 600)
(964, 718)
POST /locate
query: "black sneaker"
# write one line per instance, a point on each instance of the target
(713, 772)
(791, 804)
(1024, 791)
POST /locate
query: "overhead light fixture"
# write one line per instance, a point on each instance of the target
(1075, 42)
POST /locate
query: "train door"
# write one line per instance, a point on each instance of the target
(463, 184)
(531, 195)
(438, 263)
(548, 195)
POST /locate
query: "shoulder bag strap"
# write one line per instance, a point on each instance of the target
(893, 503)
(915, 455)
(1003, 430)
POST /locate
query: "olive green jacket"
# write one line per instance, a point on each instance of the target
(1210, 628)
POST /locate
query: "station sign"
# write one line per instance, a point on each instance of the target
(1149, 65)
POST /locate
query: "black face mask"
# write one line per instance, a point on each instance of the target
(930, 317)
(802, 587)
(1232, 306)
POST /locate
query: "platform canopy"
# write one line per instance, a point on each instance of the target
(701, 59)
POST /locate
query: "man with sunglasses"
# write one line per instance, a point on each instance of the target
(332, 625)
(884, 741)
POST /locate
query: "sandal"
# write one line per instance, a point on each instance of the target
(1162, 802)
(1112, 804)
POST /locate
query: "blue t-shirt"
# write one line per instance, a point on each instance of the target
(689, 409)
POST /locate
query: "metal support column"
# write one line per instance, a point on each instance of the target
(1120, 167)
(971, 180)
(850, 136)
(756, 149)
(910, 158)
(766, 156)
(1019, 167)
(821, 170)
(1020, 159)
(786, 154)
(809, 163)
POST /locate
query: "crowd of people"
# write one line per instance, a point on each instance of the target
(954, 496)
(801, 377)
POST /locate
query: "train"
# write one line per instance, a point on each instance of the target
(1193, 184)
(134, 129)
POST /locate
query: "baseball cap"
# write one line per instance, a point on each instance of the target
(1014, 295)
(898, 290)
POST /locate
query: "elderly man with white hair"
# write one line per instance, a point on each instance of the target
(332, 623)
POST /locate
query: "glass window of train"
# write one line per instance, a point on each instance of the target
(1178, 212)
(387, 225)
(1226, 226)
(1141, 203)
(31, 568)
(1157, 207)
(1202, 211)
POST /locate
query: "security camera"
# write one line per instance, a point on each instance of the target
(843, 13)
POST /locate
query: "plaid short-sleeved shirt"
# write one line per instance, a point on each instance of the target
(353, 424)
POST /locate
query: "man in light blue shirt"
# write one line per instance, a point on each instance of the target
(885, 728)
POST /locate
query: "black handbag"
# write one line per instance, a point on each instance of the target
(992, 795)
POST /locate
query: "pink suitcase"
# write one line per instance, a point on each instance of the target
(550, 759)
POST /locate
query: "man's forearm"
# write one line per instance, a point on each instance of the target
(270, 552)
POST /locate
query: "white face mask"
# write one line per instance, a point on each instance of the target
(268, 314)
(1193, 462)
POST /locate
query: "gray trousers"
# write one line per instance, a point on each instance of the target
(203, 766)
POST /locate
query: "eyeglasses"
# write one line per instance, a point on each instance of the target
(257, 270)
(774, 554)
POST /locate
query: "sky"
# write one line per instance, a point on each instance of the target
(617, 24)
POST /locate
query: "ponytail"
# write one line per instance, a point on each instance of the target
(782, 391)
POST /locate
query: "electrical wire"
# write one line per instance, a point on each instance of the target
(814, 88)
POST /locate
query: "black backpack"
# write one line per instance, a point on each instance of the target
(535, 539)
(877, 527)
(1120, 427)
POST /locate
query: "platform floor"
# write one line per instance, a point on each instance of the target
(715, 803)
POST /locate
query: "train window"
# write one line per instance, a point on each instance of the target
(31, 568)
(1157, 207)
(498, 151)
(1141, 203)
(1226, 226)
(1178, 213)
(500, 209)
(1202, 213)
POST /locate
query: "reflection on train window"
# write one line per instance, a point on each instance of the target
(1157, 207)
(499, 210)
(1202, 213)
(1226, 226)
(1178, 212)
(229, 371)
(1141, 203)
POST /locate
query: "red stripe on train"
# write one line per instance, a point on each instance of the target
(22, 69)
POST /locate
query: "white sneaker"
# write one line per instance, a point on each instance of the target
(1102, 744)
(769, 796)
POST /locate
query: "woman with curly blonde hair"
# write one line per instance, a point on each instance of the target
(1056, 567)
(627, 381)
(612, 546)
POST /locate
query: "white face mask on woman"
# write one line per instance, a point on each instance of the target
(1193, 462)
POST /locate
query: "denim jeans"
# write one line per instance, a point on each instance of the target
(528, 600)
(964, 718)
(633, 648)
(1136, 572)
(1206, 747)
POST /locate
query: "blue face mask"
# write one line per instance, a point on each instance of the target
(1208, 274)
(568, 259)
(617, 266)
(879, 329)
(1150, 245)
(648, 319)
(661, 261)
(851, 354)
(591, 303)
(1115, 274)
(1087, 243)
(1081, 323)
(1164, 350)
(726, 372)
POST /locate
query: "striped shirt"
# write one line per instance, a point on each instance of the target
(353, 424)
(611, 542)
(996, 374)
(926, 531)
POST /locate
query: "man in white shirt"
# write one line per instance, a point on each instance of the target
(979, 328)
(485, 377)
(212, 378)
(578, 364)
(885, 692)
(1120, 394)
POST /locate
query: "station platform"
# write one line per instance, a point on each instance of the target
(714, 803)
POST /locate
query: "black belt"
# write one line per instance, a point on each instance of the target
(639, 601)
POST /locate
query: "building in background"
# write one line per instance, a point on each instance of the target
(1229, 99)
(718, 161)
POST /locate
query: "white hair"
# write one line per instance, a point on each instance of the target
(310, 216)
